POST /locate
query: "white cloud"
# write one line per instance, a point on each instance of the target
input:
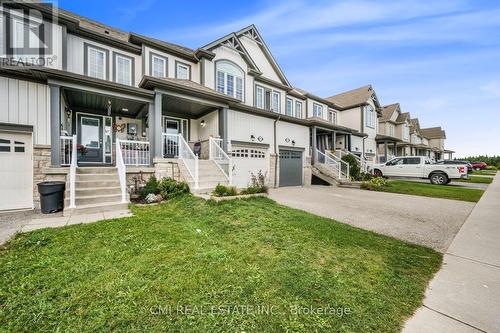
(492, 88)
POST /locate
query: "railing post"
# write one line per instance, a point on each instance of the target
(230, 171)
(196, 172)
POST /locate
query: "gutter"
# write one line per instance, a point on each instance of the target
(276, 152)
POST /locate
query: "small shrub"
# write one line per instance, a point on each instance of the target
(365, 176)
(491, 167)
(150, 187)
(375, 184)
(354, 169)
(257, 184)
(224, 191)
(170, 188)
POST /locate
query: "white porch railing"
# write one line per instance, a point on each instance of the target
(72, 173)
(190, 160)
(343, 165)
(219, 156)
(332, 164)
(363, 164)
(66, 149)
(170, 145)
(121, 168)
(135, 152)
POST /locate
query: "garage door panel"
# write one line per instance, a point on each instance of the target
(290, 167)
(16, 171)
(248, 161)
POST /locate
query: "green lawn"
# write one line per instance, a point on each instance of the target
(484, 172)
(435, 191)
(477, 180)
(130, 275)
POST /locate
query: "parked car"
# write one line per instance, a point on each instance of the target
(457, 162)
(421, 167)
(479, 165)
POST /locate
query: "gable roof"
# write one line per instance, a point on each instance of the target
(433, 133)
(252, 32)
(414, 125)
(388, 111)
(355, 97)
(402, 117)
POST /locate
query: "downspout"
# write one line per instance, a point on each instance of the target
(276, 152)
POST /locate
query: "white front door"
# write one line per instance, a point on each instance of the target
(16, 171)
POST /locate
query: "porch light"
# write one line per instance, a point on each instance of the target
(202, 123)
(293, 142)
(108, 103)
(68, 113)
(252, 137)
(124, 109)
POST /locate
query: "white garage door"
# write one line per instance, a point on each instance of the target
(248, 160)
(16, 171)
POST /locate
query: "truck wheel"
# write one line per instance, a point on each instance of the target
(377, 173)
(438, 178)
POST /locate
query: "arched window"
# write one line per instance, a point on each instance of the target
(230, 79)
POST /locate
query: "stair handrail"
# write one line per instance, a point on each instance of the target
(121, 168)
(219, 156)
(329, 162)
(361, 161)
(343, 165)
(72, 173)
(190, 160)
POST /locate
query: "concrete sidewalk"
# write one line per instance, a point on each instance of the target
(464, 296)
(10, 224)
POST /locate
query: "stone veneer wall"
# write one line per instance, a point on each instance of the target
(168, 169)
(41, 163)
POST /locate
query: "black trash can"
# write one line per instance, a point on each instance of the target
(51, 196)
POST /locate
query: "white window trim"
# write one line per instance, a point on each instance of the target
(185, 66)
(288, 99)
(370, 117)
(298, 107)
(153, 57)
(104, 62)
(276, 93)
(332, 119)
(263, 97)
(320, 108)
(130, 67)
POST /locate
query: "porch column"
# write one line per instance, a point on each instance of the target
(157, 130)
(314, 145)
(55, 125)
(223, 128)
(385, 151)
(151, 132)
(395, 149)
(349, 142)
(334, 141)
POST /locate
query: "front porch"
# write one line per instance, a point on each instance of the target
(389, 146)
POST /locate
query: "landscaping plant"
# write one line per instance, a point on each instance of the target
(151, 186)
(257, 184)
(224, 191)
(354, 169)
(375, 184)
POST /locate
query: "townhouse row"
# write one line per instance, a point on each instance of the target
(77, 96)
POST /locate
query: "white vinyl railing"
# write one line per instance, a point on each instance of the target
(66, 150)
(330, 163)
(190, 160)
(363, 164)
(219, 156)
(72, 172)
(170, 145)
(121, 168)
(343, 165)
(135, 152)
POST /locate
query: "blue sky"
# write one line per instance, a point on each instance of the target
(439, 59)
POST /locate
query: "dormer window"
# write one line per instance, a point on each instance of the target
(230, 79)
(332, 116)
(317, 110)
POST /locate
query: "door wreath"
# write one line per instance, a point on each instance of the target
(119, 128)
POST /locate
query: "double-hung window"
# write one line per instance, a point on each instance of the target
(370, 117)
(298, 109)
(96, 63)
(123, 69)
(259, 97)
(158, 66)
(289, 107)
(391, 130)
(182, 71)
(229, 79)
(406, 132)
(276, 102)
(317, 110)
(332, 117)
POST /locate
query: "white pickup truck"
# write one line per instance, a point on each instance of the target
(420, 167)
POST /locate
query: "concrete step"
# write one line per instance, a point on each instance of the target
(106, 170)
(95, 199)
(96, 208)
(90, 190)
(96, 176)
(214, 178)
(95, 183)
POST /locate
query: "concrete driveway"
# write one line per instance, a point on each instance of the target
(427, 221)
